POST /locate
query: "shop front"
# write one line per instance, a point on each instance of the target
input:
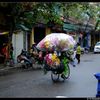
(4, 43)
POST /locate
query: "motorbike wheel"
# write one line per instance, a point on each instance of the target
(54, 76)
(23, 64)
(18, 59)
(26, 65)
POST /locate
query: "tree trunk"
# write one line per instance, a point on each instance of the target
(11, 30)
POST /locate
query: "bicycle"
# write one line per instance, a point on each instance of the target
(56, 74)
(62, 71)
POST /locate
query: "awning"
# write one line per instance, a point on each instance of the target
(68, 30)
(70, 27)
(22, 27)
(3, 33)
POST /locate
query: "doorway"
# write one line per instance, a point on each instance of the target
(39, 34)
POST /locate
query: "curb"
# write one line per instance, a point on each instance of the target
(8, 70)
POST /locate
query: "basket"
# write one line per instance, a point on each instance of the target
(59, 69)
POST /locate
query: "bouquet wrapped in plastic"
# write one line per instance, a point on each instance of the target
(52, 60)
(60, 41)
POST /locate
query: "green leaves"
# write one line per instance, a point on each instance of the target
(29, 13)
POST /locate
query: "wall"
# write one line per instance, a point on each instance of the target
(48, 31)
(18, 43)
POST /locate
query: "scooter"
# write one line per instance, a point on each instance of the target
(25, 59)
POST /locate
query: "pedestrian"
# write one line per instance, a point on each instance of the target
(5, 51)
(78, 52)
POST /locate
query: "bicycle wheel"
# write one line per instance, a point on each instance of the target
(54, 76)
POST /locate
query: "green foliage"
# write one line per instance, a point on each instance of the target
(28, 13)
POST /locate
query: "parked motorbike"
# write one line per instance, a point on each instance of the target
(37, 55)
(25, 59)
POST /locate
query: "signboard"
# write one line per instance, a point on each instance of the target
(70, 27)
(3, 33)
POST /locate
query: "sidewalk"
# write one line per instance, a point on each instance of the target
(7, 69)
(4, 70)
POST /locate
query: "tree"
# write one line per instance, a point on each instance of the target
(28, 13)
(79, 10)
